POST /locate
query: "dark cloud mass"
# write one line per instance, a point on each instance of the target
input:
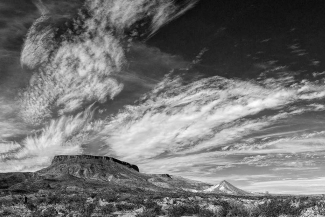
(208, 90)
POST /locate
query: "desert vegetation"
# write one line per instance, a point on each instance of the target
(149, 203)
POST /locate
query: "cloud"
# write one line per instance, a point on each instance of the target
(79, 73)
(59, 8)
(10, 125)
(15, 25)
(296, 168)
(39, 43)
(75, 61)
(79, 65)
(62, 136)
(279, 161)
(203, 115)
(304, 142)
(291, 186)
(41, 7)
(124, 14)
(197, 166)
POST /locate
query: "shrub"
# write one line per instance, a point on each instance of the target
(150, 204)
(225, 207)
(180, 210)
(88, 209)
(75, 198)
(49, 212)
(157, 196)
(108, 209)
(254, 212)
(276, 207)
(321, 207)
(123, 198)
(237, 209)
(40, 200)
(206, 213)
(124, 190)
(110, 197)
(147, 213)
(5, 202)
(136, 200)
(31, 206)
(53, 199)
(75, 206)
(153, 206)
(37, 213)
(6, 212)
(125, 206)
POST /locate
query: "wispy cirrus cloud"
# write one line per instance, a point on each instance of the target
(74, 66)
(290, 186)
(202, 115)
(10, 125)
(304, 142)
(62, 136)
(78, 66)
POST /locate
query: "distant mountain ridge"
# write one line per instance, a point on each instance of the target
(86, 171)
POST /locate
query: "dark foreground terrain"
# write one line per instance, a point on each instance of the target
(103, 186)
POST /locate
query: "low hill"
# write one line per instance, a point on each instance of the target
(177, 182)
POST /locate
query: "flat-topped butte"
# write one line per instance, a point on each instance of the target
(61, 158)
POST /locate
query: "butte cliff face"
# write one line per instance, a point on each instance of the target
(78, 158)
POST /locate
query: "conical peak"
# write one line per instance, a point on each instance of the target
(224, 182)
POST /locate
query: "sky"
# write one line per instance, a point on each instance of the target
(207, 90)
